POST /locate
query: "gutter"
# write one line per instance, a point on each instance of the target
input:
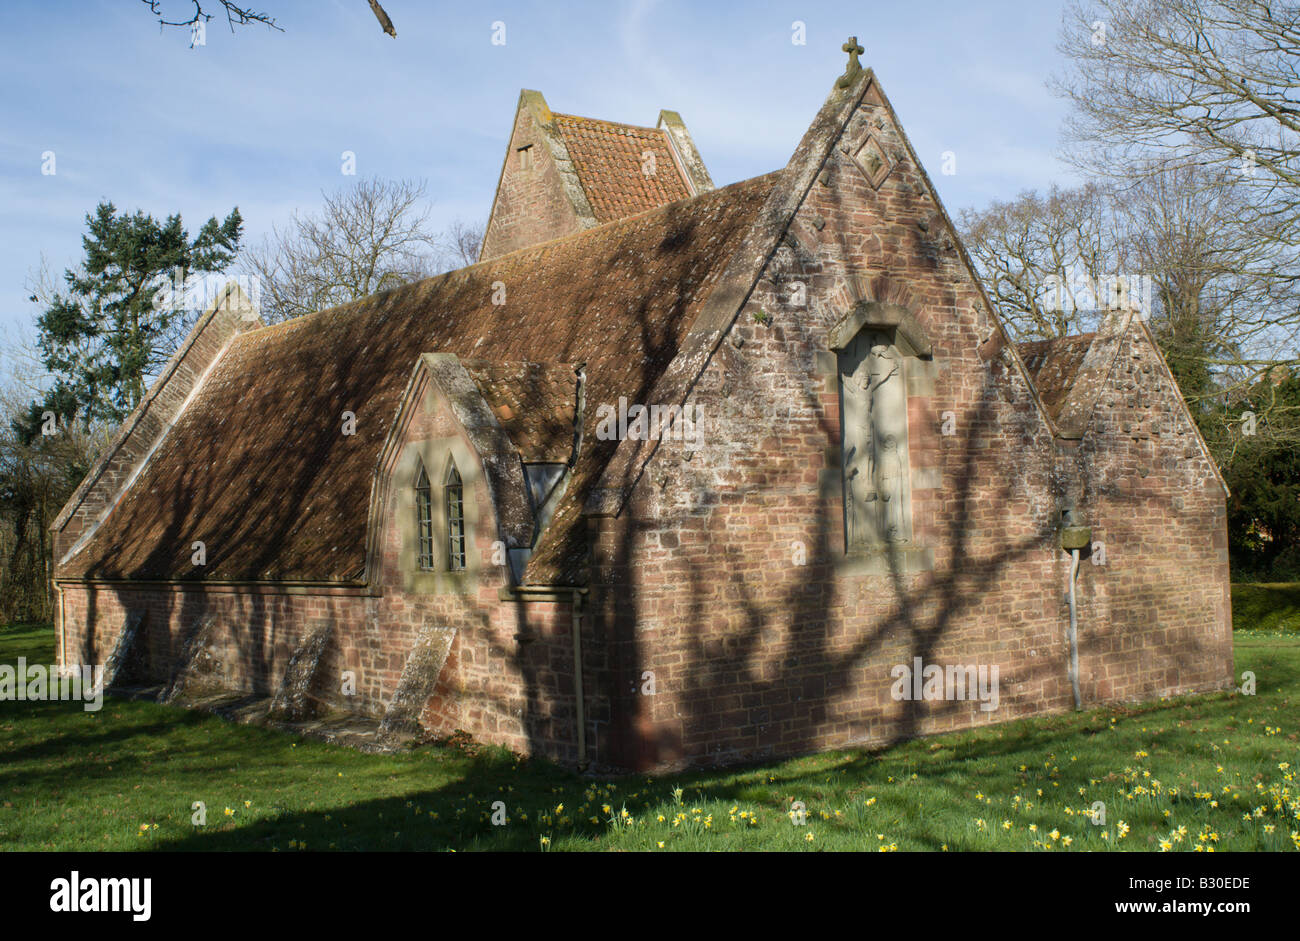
(260, 586)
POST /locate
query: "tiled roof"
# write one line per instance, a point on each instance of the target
(609, 159)
(534, 402)
(257, 467)
(1054, 366)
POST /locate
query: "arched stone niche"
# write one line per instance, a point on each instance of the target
(906, 330)
(877, 345)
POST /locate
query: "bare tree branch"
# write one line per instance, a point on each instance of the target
(385, 23)
(236, 15)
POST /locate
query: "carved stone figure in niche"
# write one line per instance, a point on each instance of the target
(874, 396)
(891, 492)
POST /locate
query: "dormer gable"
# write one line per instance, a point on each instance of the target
(564, 173)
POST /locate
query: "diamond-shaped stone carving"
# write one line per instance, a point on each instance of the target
(870, 158)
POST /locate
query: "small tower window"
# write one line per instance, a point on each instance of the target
(455, 498)
(526, 157)
(424, 518)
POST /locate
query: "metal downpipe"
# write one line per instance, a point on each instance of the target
(1074, 631)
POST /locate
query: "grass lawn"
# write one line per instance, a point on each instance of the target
(1209, 772)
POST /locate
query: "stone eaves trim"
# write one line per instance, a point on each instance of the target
(692, 164)
(543, 594)
(229, 586)
(139, 437)
(549, 129)
(1053, 366)
(1081, 398)
(1163, 365)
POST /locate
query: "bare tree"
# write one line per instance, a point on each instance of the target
(1202, 92)
(1214, 298)
(463, 241)
(369, 238)
(1190, 108)
(1204, 82)
(1044, 259)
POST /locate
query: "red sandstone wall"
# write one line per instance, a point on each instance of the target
(1157, 616)
(257, 630)
(530, 204)
(755, 656)
(507, 679)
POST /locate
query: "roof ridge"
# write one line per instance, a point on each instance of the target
(581, 117)
(1088, 335)
(538, 247)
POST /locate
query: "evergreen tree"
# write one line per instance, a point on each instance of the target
(1263, 473)
(117, 322)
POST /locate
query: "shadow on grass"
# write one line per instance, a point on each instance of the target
(1260, 606)
(464, 806)
(59, 740)
(130, 742)
(453, 816)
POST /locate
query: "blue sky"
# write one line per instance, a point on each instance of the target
(259, 119)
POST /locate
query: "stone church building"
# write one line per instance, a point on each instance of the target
(675, 475)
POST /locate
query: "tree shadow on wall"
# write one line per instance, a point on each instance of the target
(770, 666)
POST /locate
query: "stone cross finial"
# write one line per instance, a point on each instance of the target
(854, 67)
